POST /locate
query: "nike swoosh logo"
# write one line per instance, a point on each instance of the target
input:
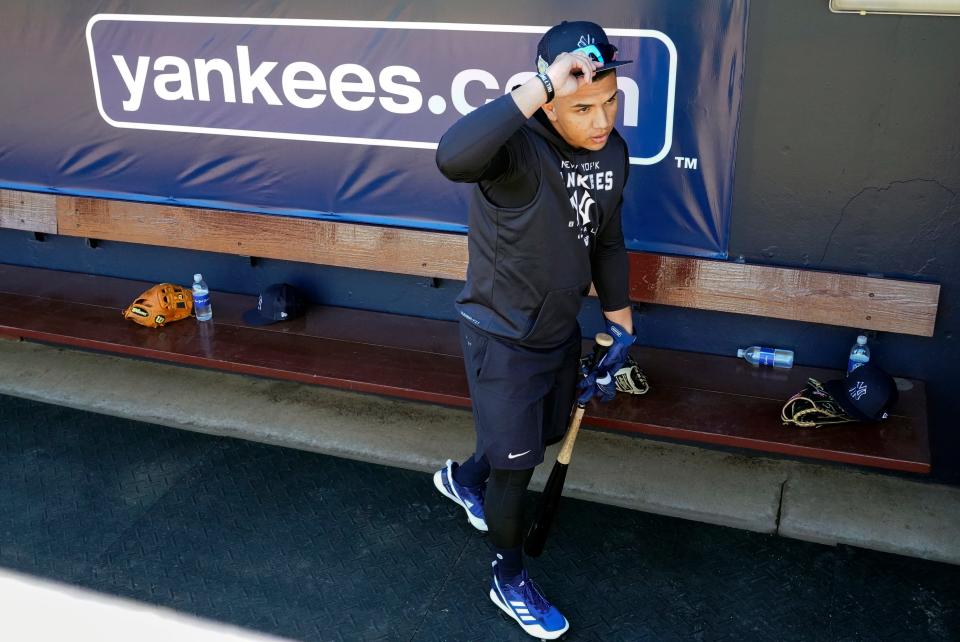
(512, 456)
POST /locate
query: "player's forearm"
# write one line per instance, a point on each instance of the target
(530, 96)
(623, 317)
(611, 277)
(467, 149)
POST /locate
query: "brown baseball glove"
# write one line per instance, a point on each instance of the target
(160, 304)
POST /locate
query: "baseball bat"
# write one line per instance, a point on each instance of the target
(550, 499)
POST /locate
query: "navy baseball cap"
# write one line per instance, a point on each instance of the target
(868, 393)
(581, 36)
(278, 302)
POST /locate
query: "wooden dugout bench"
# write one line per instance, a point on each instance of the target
(695, 397)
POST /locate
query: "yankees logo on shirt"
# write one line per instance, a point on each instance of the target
(580, 179)
(586, 226)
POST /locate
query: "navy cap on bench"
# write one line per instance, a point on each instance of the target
(277, 302)
(868, 393)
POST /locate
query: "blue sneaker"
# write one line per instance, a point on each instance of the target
(471, 499)
(524, 602)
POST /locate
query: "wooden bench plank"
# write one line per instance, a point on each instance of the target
(752, 422)
(821, 297)
(344, 324)
(677, 368)
(385, 249)
(696, 397)
(376, 369)
(803, 295)
(28, 211)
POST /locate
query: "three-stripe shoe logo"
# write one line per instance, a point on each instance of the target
(528, 607)
(521, 610)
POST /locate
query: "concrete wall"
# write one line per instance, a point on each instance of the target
(848, 159)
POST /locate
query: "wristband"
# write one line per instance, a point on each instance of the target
(547, 85)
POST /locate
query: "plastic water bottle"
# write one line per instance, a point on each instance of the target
(859, 354)
(758, 356)
(201, 299)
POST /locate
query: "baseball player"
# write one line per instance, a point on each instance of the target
(544, 217)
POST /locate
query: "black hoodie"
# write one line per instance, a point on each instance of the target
(544, 222)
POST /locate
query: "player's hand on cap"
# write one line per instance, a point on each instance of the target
(569, 71)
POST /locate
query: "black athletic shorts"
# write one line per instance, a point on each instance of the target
(521, 396)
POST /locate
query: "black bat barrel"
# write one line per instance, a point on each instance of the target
(550, 499)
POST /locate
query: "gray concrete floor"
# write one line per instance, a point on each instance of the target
(325, 549)
(807, 501)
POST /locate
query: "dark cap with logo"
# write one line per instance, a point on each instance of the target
(278, 302)
(586, 37)
(868, 393)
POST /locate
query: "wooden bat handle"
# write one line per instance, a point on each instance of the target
(602, 343)
(566, 450)
(549, 501)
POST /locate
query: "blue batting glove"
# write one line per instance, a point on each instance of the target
(598, 380)
(606, 387)
(603, 388)
(586, 388)
(587, 385)
(593, 384)
(617, 354)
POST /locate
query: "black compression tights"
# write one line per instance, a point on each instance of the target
(503, 506)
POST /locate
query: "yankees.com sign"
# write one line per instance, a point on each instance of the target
(327, 110)
(395, 84)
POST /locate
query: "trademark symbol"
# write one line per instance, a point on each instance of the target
(685, 163)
